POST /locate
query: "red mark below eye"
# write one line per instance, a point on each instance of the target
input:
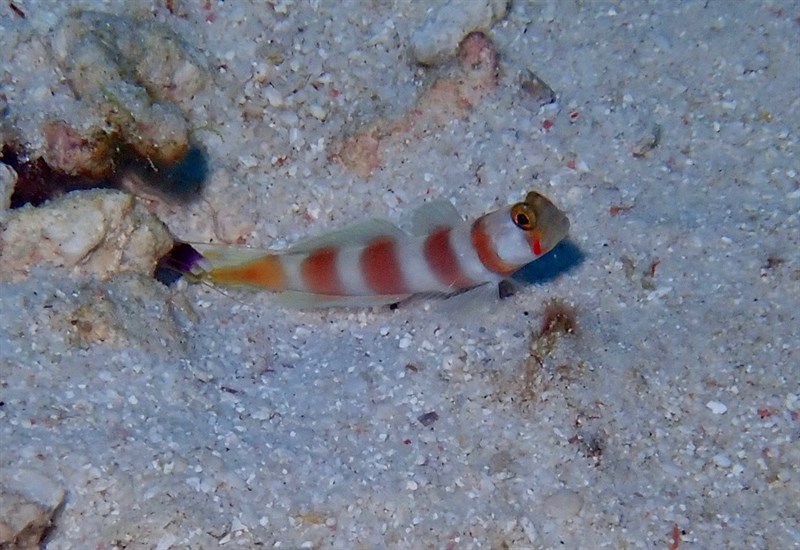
(537, 247)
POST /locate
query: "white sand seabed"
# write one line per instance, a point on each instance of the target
(186, 418)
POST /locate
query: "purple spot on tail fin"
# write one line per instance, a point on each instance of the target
(180, 260)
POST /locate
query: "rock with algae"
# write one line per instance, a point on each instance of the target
(8, 179)
(89, 233)
(28, 500)
(134, 74)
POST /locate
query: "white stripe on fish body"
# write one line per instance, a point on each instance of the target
(470, 264)
(417, 273)
(291, 265)
(348, 265)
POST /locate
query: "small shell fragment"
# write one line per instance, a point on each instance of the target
(717, 407)
(535, 89)
(647, 142)
(428, 418)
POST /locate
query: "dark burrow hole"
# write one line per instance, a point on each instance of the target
(38, 182)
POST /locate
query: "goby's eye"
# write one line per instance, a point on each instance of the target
(522, 216)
